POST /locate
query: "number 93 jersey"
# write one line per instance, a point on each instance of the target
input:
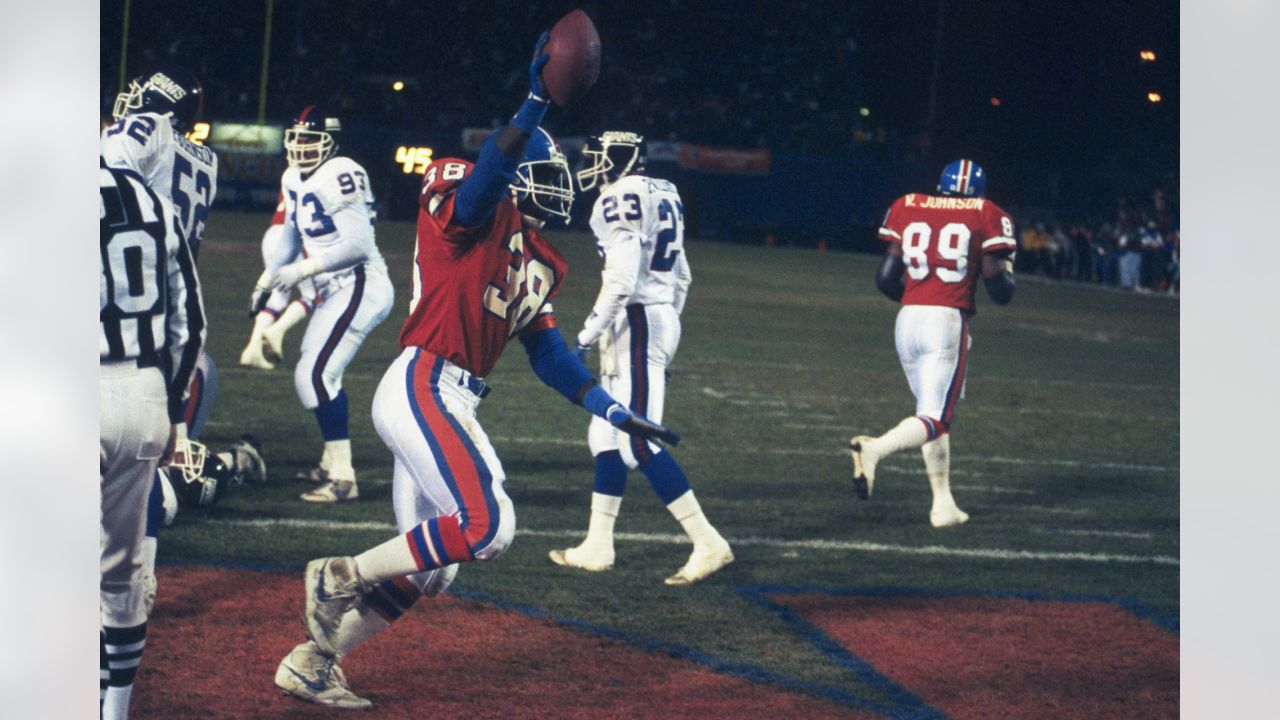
(330, 207)
(475, 288)
(175, 168)
(943, 240)
(647, 211)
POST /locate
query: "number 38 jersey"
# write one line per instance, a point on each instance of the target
(177, 169)
(475, 288)
(943, 240)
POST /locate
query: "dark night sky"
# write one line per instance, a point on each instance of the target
(1073, 125)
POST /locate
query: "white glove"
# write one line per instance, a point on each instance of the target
(296, 272)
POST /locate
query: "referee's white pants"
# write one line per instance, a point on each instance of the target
(134, 427)
(339, 325)
(634, 355)
(933, 347)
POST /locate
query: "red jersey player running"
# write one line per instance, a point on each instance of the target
(482, 275)
(941, 242)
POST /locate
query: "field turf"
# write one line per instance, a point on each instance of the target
(1065, 453)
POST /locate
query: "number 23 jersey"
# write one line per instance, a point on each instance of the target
(475, 288)
(943, 240)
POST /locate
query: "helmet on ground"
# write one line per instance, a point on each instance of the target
(312, 139)
(963, 177)
(168, 90)
(199, 477)
(543, 184)
(610, 156)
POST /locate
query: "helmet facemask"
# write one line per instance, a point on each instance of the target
(544, 188)
(128, 101)
(307, 149)
(619, 154)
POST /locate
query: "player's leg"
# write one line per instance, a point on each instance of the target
(653, 336)
(134, 428)
(596, 552)
(293, 313)
(425, 411)
(945, 376)
(911, 331)
(336, 332)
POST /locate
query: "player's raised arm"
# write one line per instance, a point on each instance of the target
(496, 167)
(561, 370)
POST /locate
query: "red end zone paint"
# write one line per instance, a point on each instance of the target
(976, 657)
(217, 635)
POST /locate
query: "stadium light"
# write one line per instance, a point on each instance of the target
(1147, 55)
(995, 101)
(864, 111)
(397, 85)
(1154, 97)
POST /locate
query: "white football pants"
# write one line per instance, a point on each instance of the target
(634, 355)
(133, 431)
(343, 318)
(933, 346)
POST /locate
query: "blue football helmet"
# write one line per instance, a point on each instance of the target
(543, 186)
(963, 177)
(312, 139)
(611, 156)
(168, 90)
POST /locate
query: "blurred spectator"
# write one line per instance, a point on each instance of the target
(1130, 248)
(1082, 246)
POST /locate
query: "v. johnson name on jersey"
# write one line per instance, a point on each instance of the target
(934, 202)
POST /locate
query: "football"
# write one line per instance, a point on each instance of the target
(574, 47)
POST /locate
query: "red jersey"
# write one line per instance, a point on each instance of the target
(476, 288)
(943, 240)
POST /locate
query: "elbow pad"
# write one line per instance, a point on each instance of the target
(1000, 287)
(889, 277)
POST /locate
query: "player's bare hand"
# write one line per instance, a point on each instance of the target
(640, 426)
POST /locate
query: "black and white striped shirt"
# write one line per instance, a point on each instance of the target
(150, 308)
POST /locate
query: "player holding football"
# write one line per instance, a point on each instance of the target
(483, 274)
(942, 243)
(149, 137)
(274, 312)
(328, 237)
(638, 222)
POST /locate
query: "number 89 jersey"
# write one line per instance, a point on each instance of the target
(475, 288)
(648, 211)
(943, 240)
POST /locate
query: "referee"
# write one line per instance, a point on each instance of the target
(152, 328)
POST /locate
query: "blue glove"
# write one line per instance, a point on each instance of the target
(536, 89)
(639, 425)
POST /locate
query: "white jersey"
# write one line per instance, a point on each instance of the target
(329, 215)
(182, 172)
(639, 227)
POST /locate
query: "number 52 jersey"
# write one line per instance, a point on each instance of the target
(943, 240)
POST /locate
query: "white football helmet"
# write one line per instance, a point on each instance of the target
(611, 155)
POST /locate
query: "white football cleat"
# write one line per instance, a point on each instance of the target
(702, 562)
(582, 558)
(317, 475)
(333, 491)
(947, 515)
(864, 466)
(273, 342)
(333, 586)
(307, 674)
(252, 355)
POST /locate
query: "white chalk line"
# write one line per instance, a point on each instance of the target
(1094, 533)
(667, 539)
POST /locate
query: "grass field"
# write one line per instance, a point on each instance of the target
(1065, 453)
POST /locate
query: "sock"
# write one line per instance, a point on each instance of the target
(332, 417)
(937, 463)
(911, 432)
(433, 544)
(375, 612)
(688, 513)
(338, 453)
(291, 316)
(261, 321)
(122, 651)
(666, 477)
(104, 675)
(604, 512)
(611, 473)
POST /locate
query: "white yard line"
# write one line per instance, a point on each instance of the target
(835, 545)
(1094, 533)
